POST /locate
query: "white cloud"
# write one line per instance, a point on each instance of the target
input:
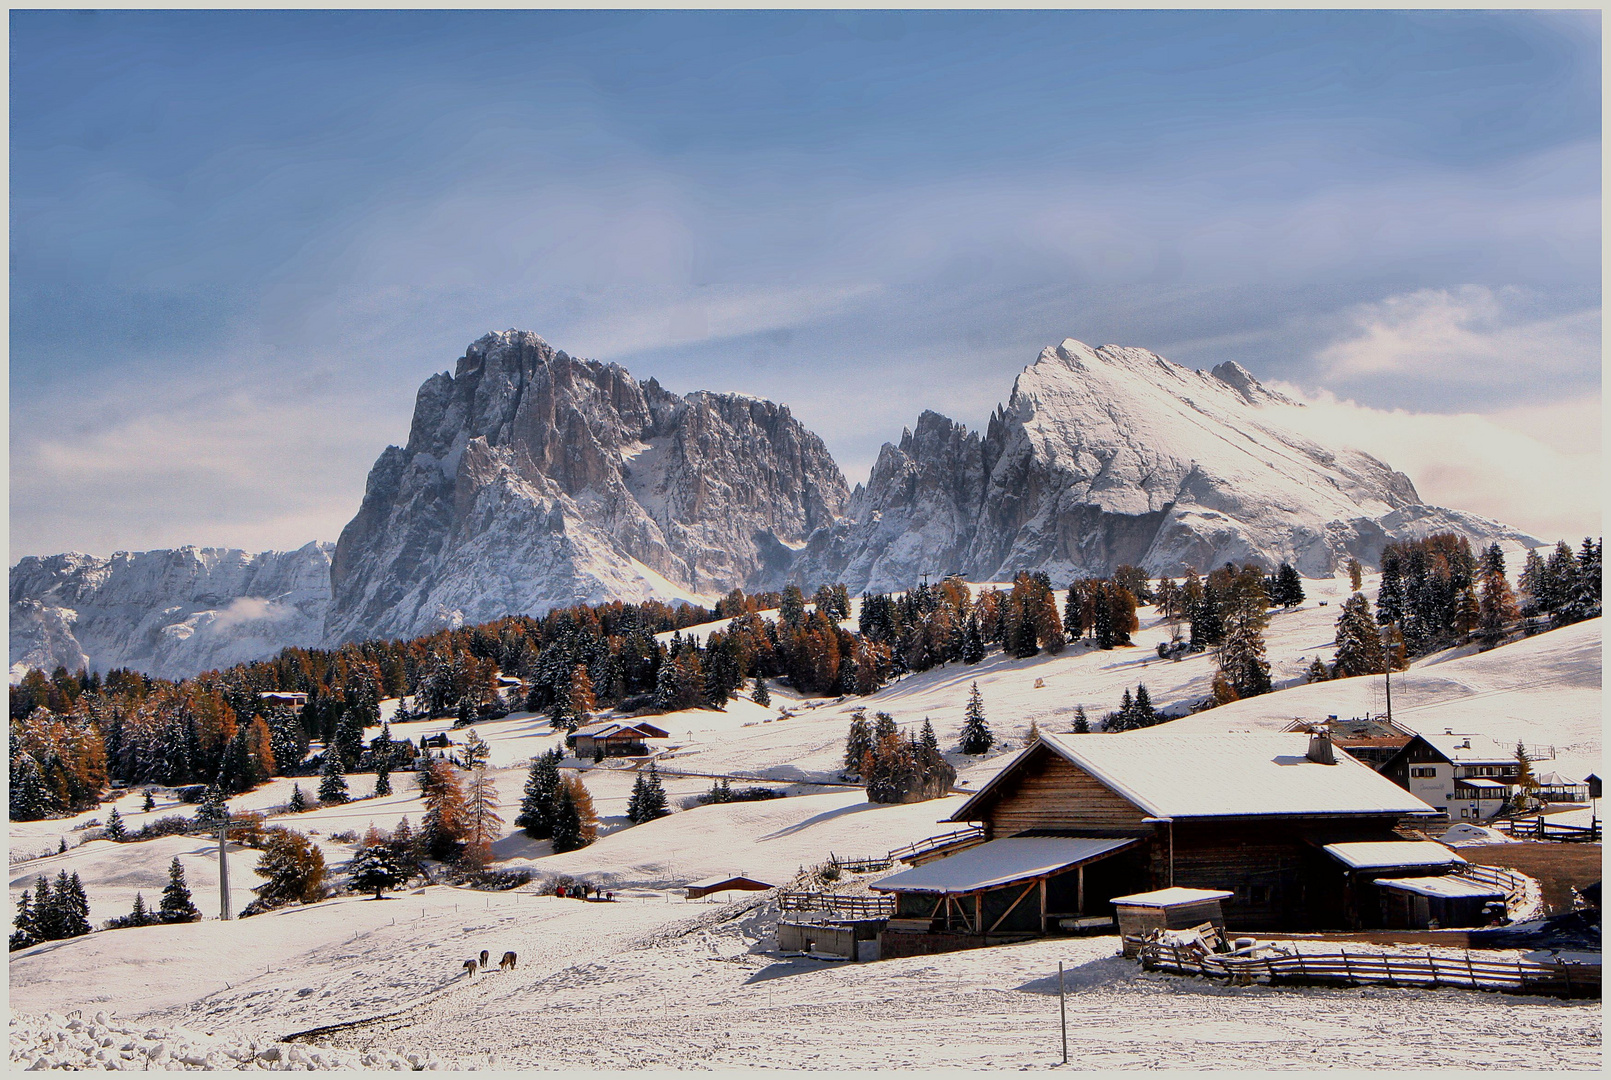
(1472, 333)
(1537, 467)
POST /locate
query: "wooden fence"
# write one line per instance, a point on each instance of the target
(861, 864)
(1539, 828)
(1560, 979)
(855, 907)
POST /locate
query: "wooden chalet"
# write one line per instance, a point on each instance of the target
(1372, 739)
(724, 883)
(1076, 820)
(616, 738)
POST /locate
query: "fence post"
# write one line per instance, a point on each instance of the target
(1062, 1010)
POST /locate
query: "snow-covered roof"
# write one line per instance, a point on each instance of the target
(607, 728)
(1172, 896)
(1471, 749)
(1001, 862)
(1555, 779)
(1446, 887)
(723, 879)
(1377, 855)
(1479, 783)
(1220, 775)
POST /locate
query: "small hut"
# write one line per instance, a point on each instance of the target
(616, 738)
(1416, 903)
(723, 883)
(1174, 908)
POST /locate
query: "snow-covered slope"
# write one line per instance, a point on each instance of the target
(167, 613)
(1115, 455)
(532, 479)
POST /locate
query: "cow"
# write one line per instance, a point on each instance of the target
(508, 961)
(484, 955)
(469, 967)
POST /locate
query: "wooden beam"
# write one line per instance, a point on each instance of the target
(1010, 910)
(1043, 905)
(1080, 895)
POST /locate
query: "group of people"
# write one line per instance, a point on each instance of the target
(579, 891)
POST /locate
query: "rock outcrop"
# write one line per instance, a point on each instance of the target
(1115, 455)
(532, 479)
(166, 613)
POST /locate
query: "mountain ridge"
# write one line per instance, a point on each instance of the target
(531, 479)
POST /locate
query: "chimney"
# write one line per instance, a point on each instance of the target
(1320, 750)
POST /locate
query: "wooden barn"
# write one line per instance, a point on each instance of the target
(616, 738)
(1076, 820)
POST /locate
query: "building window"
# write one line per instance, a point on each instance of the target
(1421, 773)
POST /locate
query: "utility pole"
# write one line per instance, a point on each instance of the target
(1387, 668)
(223, 871)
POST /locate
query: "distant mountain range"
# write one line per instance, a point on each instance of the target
(532, 479)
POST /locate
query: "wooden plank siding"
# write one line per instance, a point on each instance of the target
(1051, 792)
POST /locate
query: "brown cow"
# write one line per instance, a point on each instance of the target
(484, 955)
(469, 967)
(508, 961)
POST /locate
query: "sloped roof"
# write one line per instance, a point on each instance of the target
(1175, 894)
(1217, 775)
(1472, 782)
(606, 728)
(1000, 862)
(1481, 751)
(1447, 887)
(1378, 855)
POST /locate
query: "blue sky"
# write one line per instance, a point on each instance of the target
(240, 240)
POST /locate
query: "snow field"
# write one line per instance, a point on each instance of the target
(71, 1042)
(715, 997)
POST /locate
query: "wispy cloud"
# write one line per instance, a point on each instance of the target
(1474, 334)
(1537, 468)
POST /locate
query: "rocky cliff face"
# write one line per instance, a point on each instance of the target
(166, 613)
(533, 479)
(1115, 455)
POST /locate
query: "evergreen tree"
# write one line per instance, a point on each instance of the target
(150, 803)
(47, 915)
(761, 695)
(1144, 714)
(481, 820)
(26, 932)
(212, 811)
(1288, 587)
(567, 825)
(442, 830)
(332, 780)
(176, 906)
(1525, 780)
(476, 751)
(648, 798)
(927, 740)
(115, 829)
(1082, 723)
(349, 740)
(541, 796)
(299, 801)
(791, 612)
(973, 646)
(1391, 606)
(1359, 645)
(74, 905)
(293, 867)
(375, 869)
(141, 915)
(665, 686)
(1356, 574)
(858, 742)
(383, 781)
(1496, 605)
(31, 799)
(1317, 671)
(976, 735)
(1241, 653)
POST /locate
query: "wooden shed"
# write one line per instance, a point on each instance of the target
(725, 883)
(1366, 865)
(1168, 909)
(1420, 903)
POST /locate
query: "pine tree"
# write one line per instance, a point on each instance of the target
(1356, 574)
(383, 781)
(973, 646)
(115, 829)
(374, 869)
(150, 803)
(1359, 644)
(332, 780)
(541, 796)
(481, 820)
(476, 751)
(299, 801)
(293, 867)
(47, 911)
(74, 905)
(349, 740)
(1317, 671)
(858, 742)
(1496, 605)
(176, 906)
(927, 740)
(570, 824)
(1525, 780)
(1082, 723)
(665, 686)
(443, 827)
(26, 932)
(976, 735)
(1288, 587)
(1144, 714)
(648, 798)
(761, 696)
(139, 916)
(31, 799)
